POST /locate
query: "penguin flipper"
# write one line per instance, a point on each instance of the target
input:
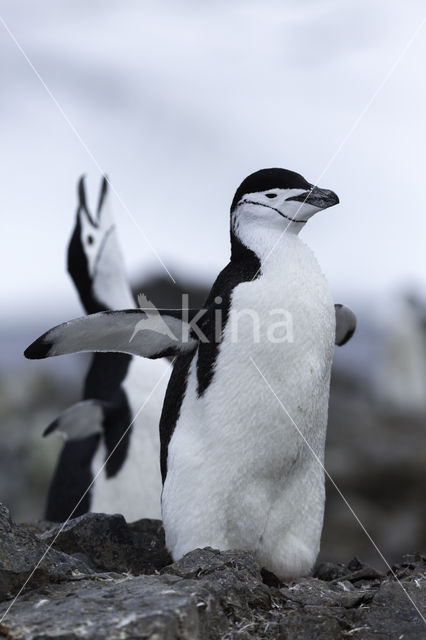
(345, 324)
(78, 421)
(132, 331)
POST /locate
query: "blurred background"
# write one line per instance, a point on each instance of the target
(177, 102)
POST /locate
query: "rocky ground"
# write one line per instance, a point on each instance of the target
(104, 578)
(377, 461)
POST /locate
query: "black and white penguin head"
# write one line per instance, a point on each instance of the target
(94, 258)
(276, 200)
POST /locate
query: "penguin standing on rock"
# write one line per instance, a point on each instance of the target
(116, 386)
(243, 399)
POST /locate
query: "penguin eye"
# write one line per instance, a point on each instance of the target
(90, 240)
(271, 195)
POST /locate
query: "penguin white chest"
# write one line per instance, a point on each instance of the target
(135, 491)
(238, 468)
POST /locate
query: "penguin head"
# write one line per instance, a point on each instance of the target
(277, 199)
(92, 247)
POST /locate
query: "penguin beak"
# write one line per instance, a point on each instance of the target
(319, 198)
(102, 195)
(83, 209)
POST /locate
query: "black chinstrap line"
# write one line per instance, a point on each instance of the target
(274, 209)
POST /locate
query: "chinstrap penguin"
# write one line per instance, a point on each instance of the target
(115, 387)
(236, 472)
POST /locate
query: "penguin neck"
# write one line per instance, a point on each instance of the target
(246, 242)
(112, 292)
(109, 283)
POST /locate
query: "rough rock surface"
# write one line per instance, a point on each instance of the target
(136, 548)
(20, 551)
(104, 578)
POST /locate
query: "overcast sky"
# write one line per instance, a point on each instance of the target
(178, 101)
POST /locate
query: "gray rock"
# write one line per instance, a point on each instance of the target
(207, 595)
(128, 607)
(232, 579)
(391, 614)
(110, 544)
(21, 552)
